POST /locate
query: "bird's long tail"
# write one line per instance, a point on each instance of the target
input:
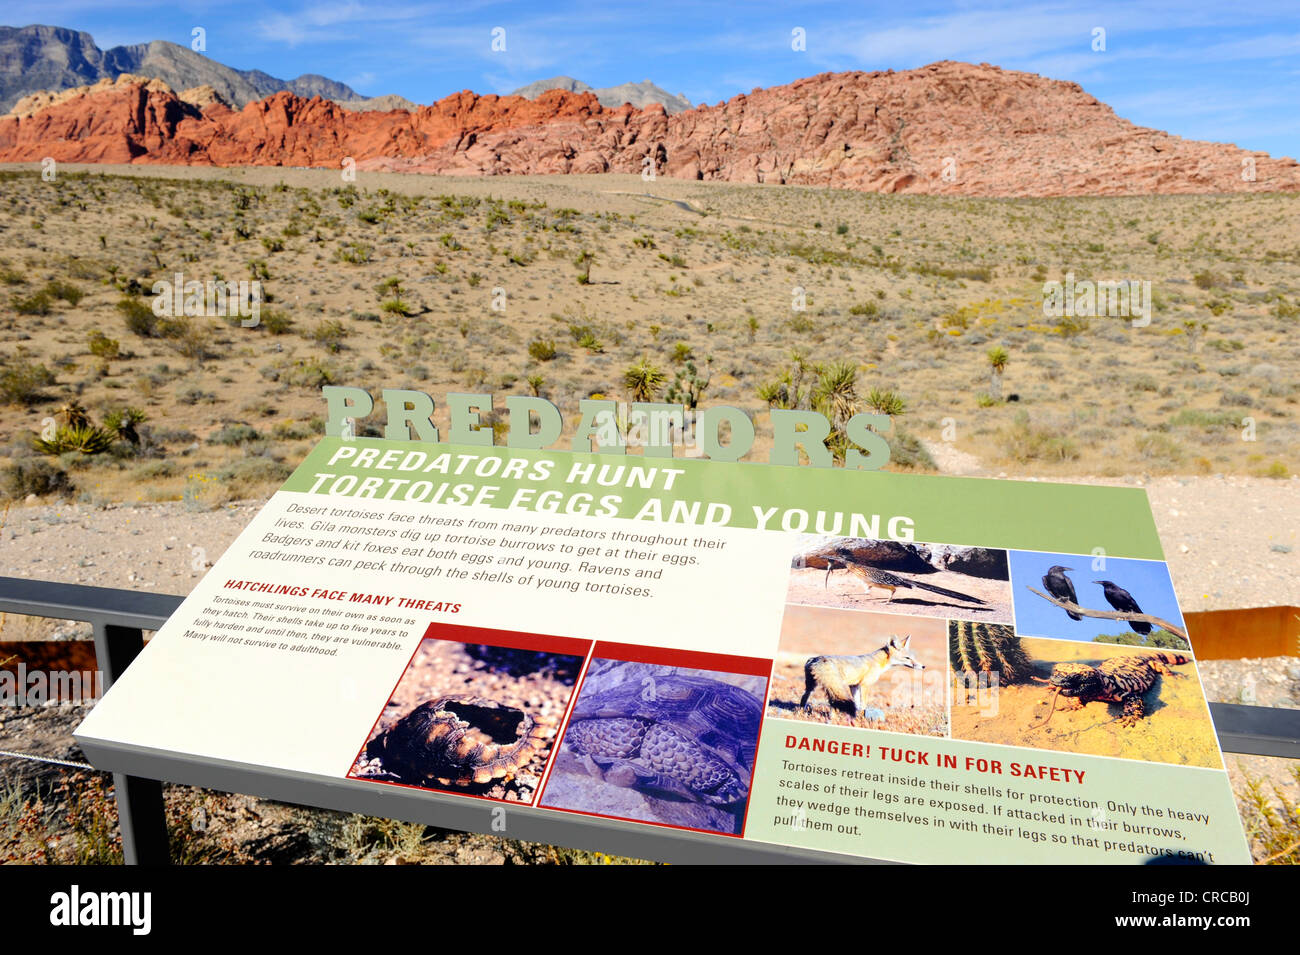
(947, 593)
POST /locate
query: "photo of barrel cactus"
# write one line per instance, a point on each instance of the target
(665, 744)
(977, 648)
(473, 719)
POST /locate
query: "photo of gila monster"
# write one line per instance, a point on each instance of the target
(1122, 680)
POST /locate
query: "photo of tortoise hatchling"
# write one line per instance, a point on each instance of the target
(673, 736)
(453, 741)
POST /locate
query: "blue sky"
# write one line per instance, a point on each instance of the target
(1226, 72)
(1147, 580)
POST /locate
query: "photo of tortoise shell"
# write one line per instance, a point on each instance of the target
(460, 741)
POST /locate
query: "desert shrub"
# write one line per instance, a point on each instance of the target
(1159, 449)
(1285, 309)
(329, 334)
(34, 476)
(906, 451)
(153, 470)
(1204, 420)
(1272, 820)
(64, 291)
(186, 335)
(865, 309)
(1206, 279)
(253, 476)
(38, 303)
(1024, 442)
(356, 253)
(101, 346)
(541, 349)
(308, 374)
(22, 383)
(139, 317)
(274, 321)
(234, 434)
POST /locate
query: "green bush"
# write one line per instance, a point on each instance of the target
(542, 349)
(101, 346)
(139, 317)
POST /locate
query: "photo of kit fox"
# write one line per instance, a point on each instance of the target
(844, 677)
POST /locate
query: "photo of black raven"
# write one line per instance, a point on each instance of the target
(1123, 601)
(1061, 587)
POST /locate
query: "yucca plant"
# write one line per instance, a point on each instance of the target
(884, 401)
(644, 380)
(87, 439)
(998, 358)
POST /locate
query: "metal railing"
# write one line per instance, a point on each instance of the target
(120, 617)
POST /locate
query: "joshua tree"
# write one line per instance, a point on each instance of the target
(74, 415)
(122, 423)
(836, 396)
(583, 262)
(998, 359)
(688, 387)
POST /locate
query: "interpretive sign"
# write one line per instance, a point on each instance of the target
(690, 659)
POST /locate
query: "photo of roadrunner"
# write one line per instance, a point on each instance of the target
(884, 580)
(901, 577)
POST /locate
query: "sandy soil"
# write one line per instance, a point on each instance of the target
(540, 684)
(1176, 728)
(912, 701)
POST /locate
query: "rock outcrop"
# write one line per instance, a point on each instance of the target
(948, 128)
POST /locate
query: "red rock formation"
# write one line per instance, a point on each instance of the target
(948, 128)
